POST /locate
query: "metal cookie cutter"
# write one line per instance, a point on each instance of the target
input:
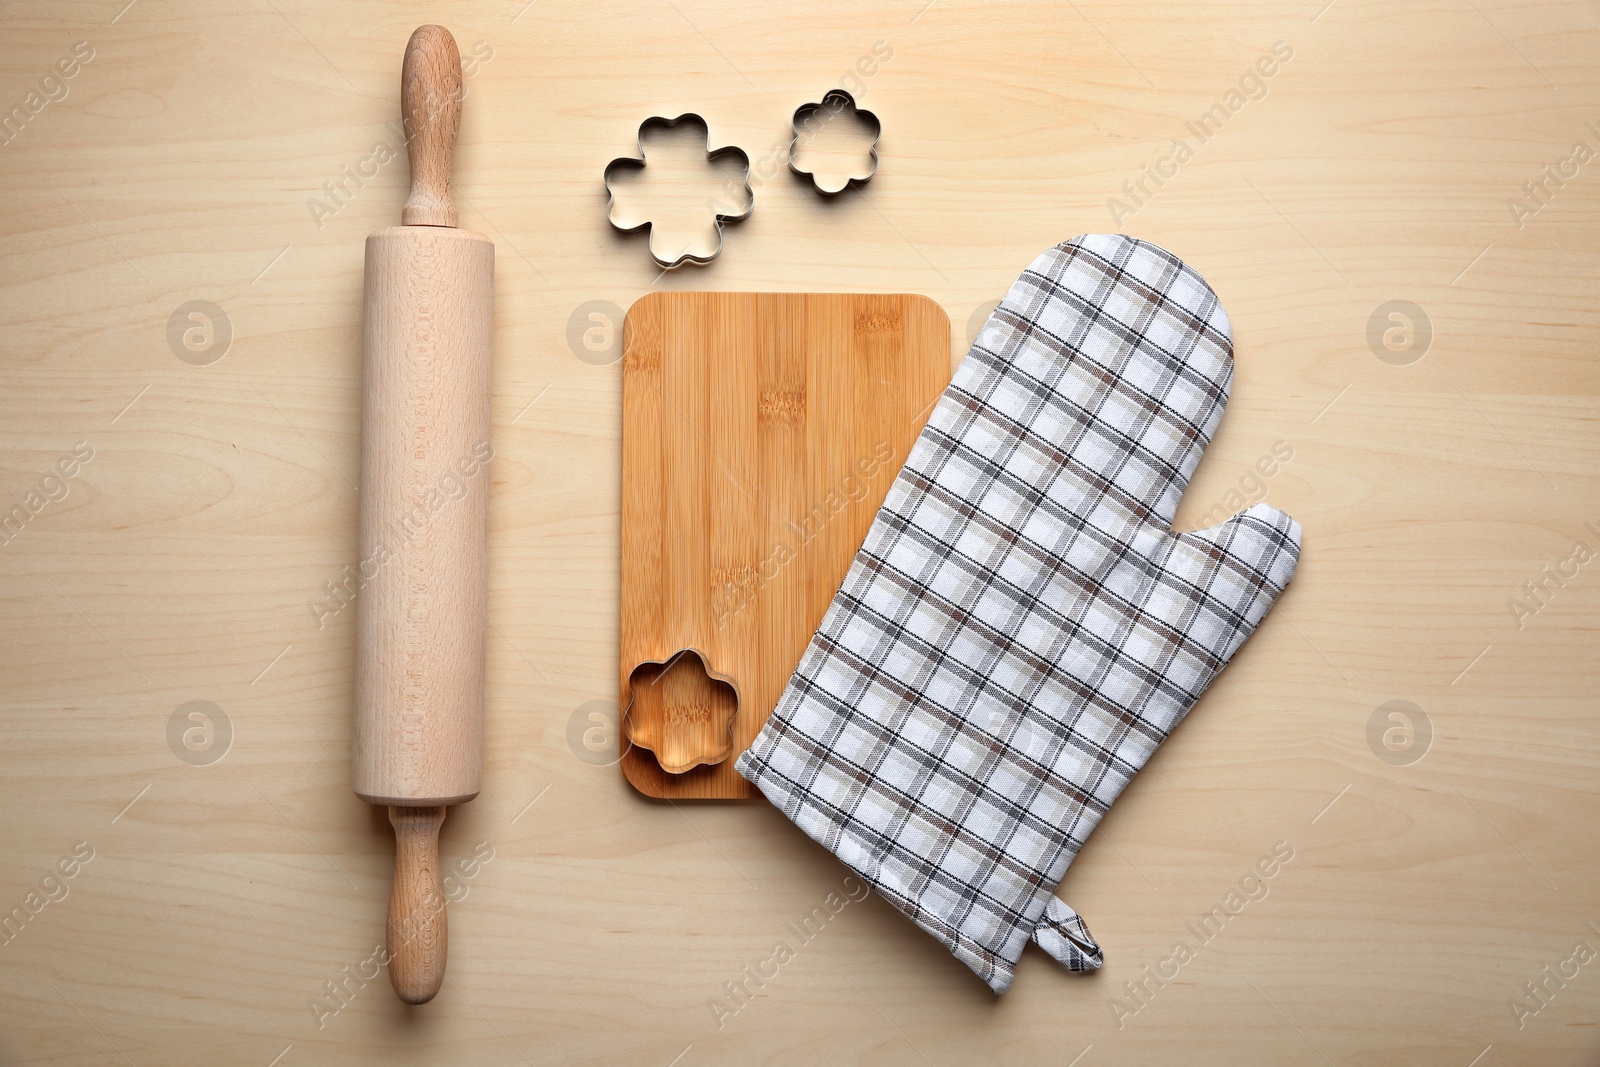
(718, 217)
(835, 100)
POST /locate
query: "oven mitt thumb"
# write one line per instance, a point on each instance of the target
(1022, 628)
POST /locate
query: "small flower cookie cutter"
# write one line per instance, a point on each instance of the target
(844, 99)
(712, 155)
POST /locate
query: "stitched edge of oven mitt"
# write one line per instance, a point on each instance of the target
(1021, 627)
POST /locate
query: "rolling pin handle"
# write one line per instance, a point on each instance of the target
(430, 98)
(417, 927)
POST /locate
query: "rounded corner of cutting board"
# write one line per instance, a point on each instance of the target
(936, 308)
(647, 302)
(642, 781)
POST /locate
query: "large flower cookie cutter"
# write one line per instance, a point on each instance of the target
(719, 217)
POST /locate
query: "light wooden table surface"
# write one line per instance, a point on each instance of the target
(1444, 851)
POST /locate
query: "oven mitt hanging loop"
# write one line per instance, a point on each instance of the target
(1022, 628)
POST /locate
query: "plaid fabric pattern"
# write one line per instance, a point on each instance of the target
(1022, 628)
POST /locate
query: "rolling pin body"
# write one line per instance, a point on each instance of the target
(425, 452)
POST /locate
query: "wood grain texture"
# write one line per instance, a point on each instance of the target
(760, 434)
(191, 558)
(430, 104)
(427, 358)
(417, 931)
(421, 612)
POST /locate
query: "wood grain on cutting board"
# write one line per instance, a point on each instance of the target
(760, 434)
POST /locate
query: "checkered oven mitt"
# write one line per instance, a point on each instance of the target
(1022, 628)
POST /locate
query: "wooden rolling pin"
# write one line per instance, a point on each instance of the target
(425, 450)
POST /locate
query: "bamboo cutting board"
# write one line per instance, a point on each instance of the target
(760, 434)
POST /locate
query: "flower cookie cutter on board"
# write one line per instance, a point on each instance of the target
(834, 101)
(718, 216)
